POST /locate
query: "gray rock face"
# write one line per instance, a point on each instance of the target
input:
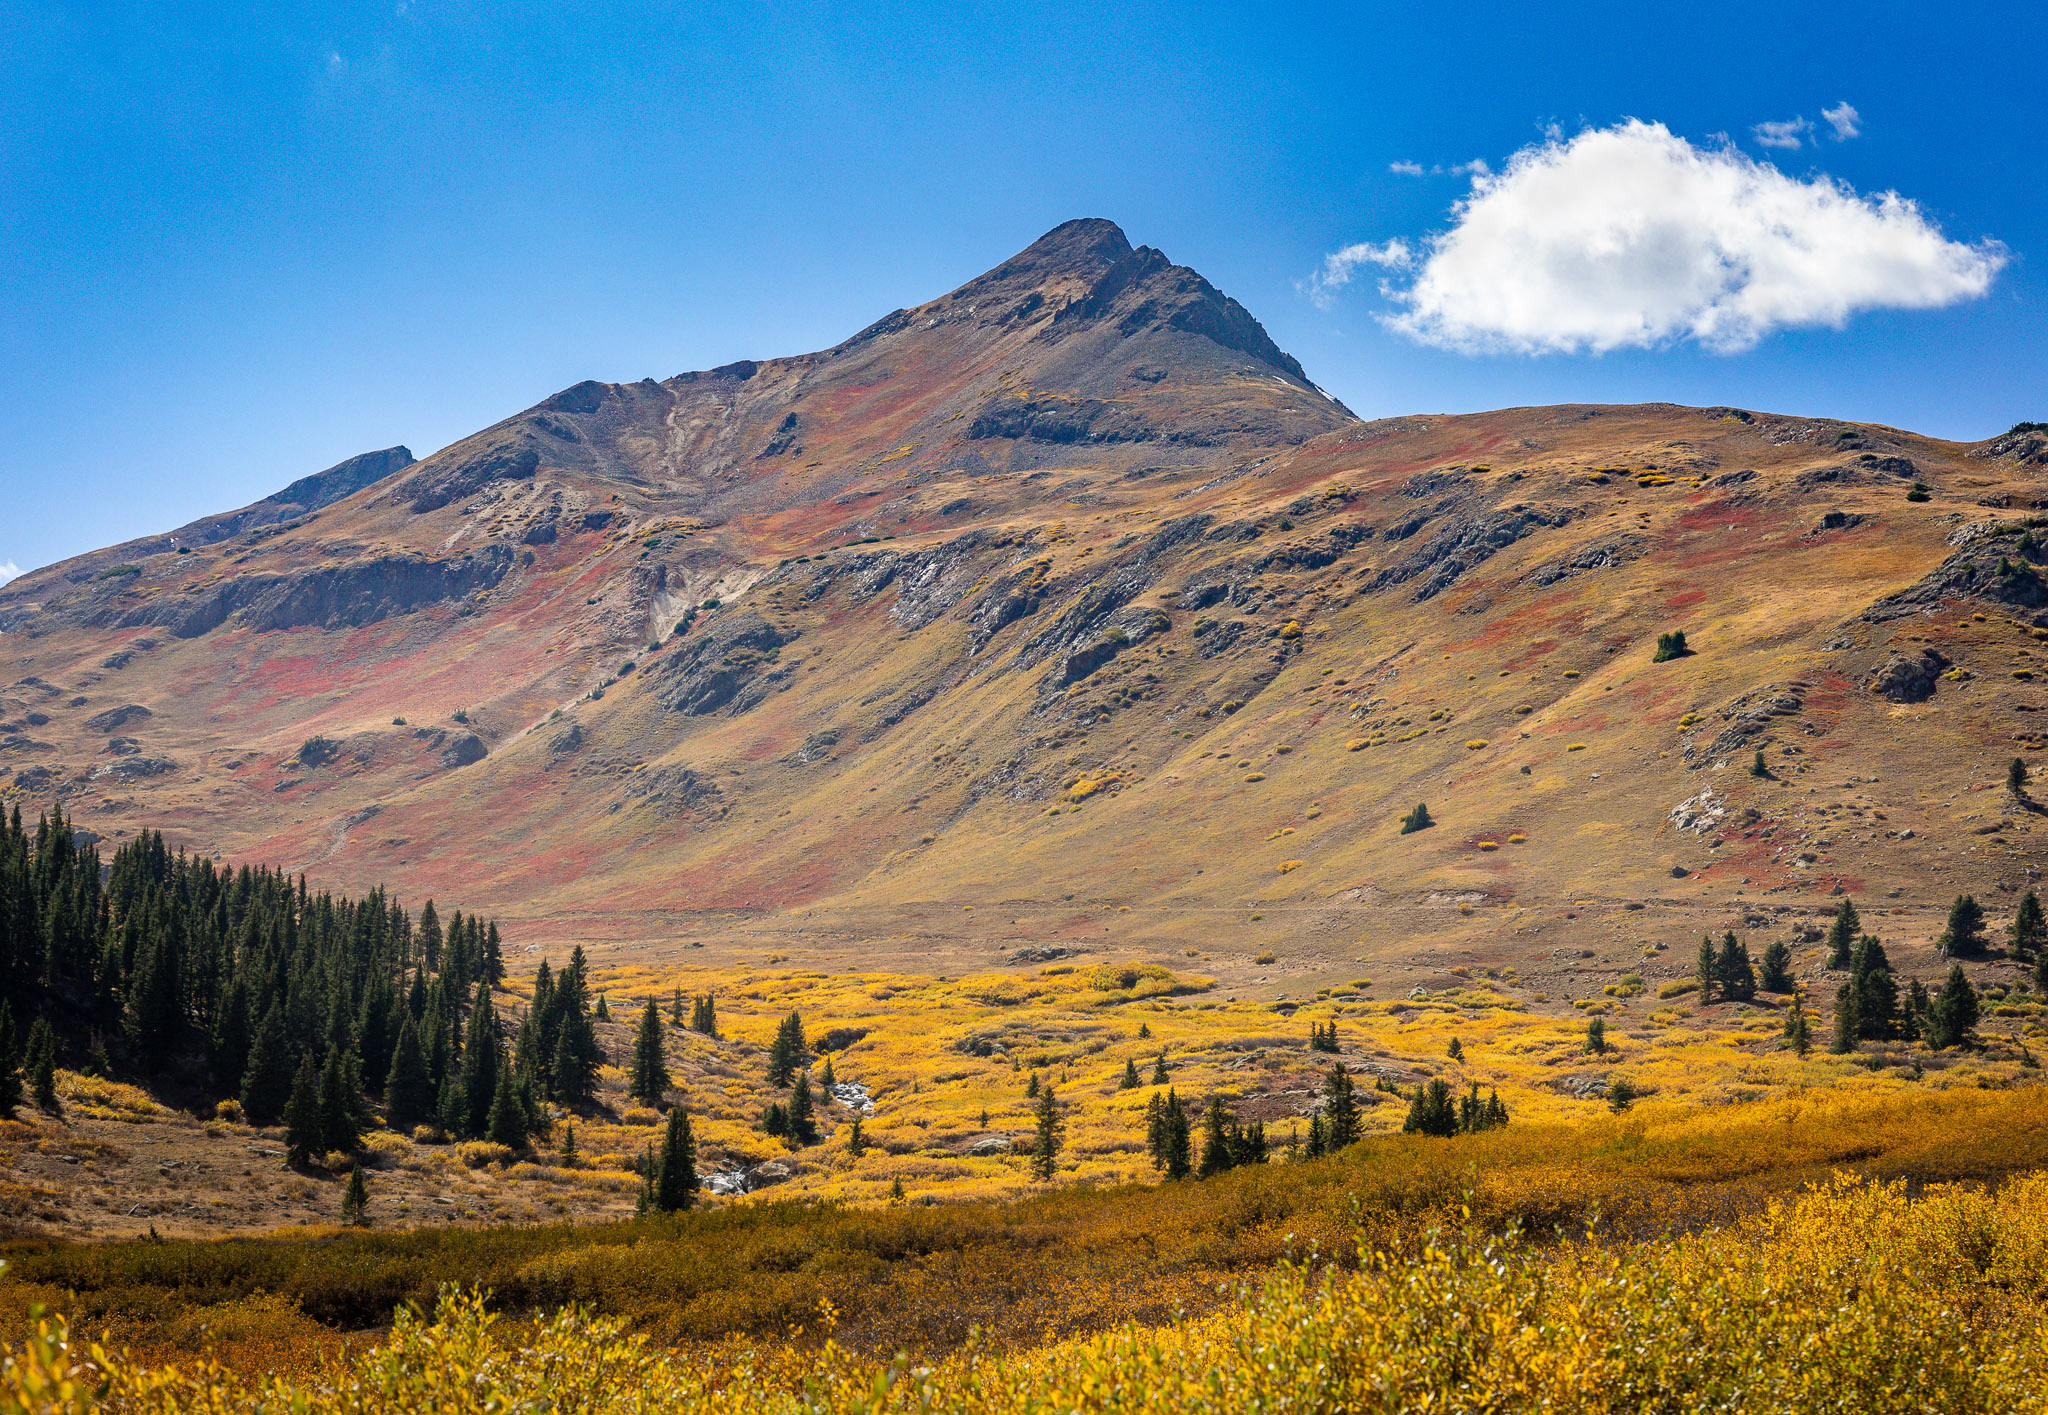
(134, 768)
(463, 750)
(569, 739)
(719, 662)
(114, 718)
(1906, 679)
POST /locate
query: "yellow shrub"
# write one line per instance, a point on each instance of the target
(478, 1153)
(1678, 987)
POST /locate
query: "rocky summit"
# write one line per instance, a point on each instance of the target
(1064, 613)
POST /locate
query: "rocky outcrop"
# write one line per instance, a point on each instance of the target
(718, 662)
(1466, 542)
(1994, 563)
(115, 718)
(464, 749)
(1909, 678)
(452, 475)
(1747, 721)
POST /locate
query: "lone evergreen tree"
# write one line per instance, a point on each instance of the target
(1842, 934)
(568, 1151)
(1954, 1010)
(1130, 1080)
(1777, 969)
(675, 1182)
(1456, 1050)
(1756, 766)
(1046, 1138)
(786, 1052)
(803, 1116)
(1340, 1108)
(2016, 779)
(856, 1138)
(827, 1079)
(1417, 819)
(40, 1062)
(2029, 928)
(355, 1200)
(1159, 1070)
(1964, 936)
(650, 1059)
(1708, 969)
(1670, 646)
(1596, 1037)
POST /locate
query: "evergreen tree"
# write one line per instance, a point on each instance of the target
(1964, 936)
(1954, 1011)
(1842, 934)
(1708, 969)
(1777, 969)
(494, 955)
(1596, 1037)
(650, 1059)
(1848, 1019)
(355, 1200)
(1216, 1150)
(1798, 1032)
(1877, 993)
(1159, 1070)
(1417, 819)
(1176, 1145)
(506, 1123)
(1318, 1139)
(1756, 765)
(1738, 979)
(775, 1120)
(1340, 1109)
(857, 1140)
(803, 1118)
(1432, 1111)
(675, 1173)
(1046, 1138)
(786, 1052)
(2029, 928)
(1456, 1050)
(267, 1078)
(1031, 1087)
(675, 1008)
(341, 1103)
(1155, 1130)
(827, 1079)
(482, 1059)
(10, 1065)
(1130, 1078)
(227, 1050)
(451, 1109)
(40, 1063)
(568, 1151)
(305, 1128)
(2016, 779)
(408, 1089)
(2041, 973)
(704, 1016)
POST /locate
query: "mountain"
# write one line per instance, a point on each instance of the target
(1063, 611)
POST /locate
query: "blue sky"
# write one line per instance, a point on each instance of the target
(243, 243)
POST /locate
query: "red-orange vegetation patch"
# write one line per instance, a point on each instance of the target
(1722, 517)
(1531, 654)
(1683, 600)
(1584, 722)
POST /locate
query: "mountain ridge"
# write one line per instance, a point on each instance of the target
(1064, 593)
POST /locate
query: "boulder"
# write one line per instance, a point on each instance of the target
(1909, 678)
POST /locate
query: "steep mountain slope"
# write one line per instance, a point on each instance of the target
(1066, 595)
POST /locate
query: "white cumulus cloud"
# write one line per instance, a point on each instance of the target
(1405, 169)
(1788, 134)
(1339, 266)
(1631, 237)
(1845, 120)
(9, 571)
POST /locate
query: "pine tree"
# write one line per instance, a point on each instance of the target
(2016, 779)
(1842, 934)
(451, 1109)
(1708, 969)
(355, 1200)
(1046, 1139)
(704, 1016)
(2029, 928)
(481, 1062)
(227, 1049)
(1954, 1010)
(1155, 1130)
(786, 1052)
(1031, 1089)
(10, 1065)
(1129, 1082)
(604, 1011)
(775, 1120)
(1798, 1033)
(1964, 936)
(1756, 766)
(1432, 1111)
(305, 1129)
(1777, 969)
(675, 1173)
(827, 1079)
(1216, 1151)
(1456, 1050)
(650, 1059)
(1877, 993)
(1417, 819)
(1848, 1019)
(803, 1118)
(505, 1123)
(40, 1063)
(1596, 1037)
(675, 1008)
(857, 1140)
(267, 1079)
(408, 1089)
(341, 1103)
(1318, 1139)
(568, 1150)
(1340, 1108)
(1159, 1070)
(2041, 973)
